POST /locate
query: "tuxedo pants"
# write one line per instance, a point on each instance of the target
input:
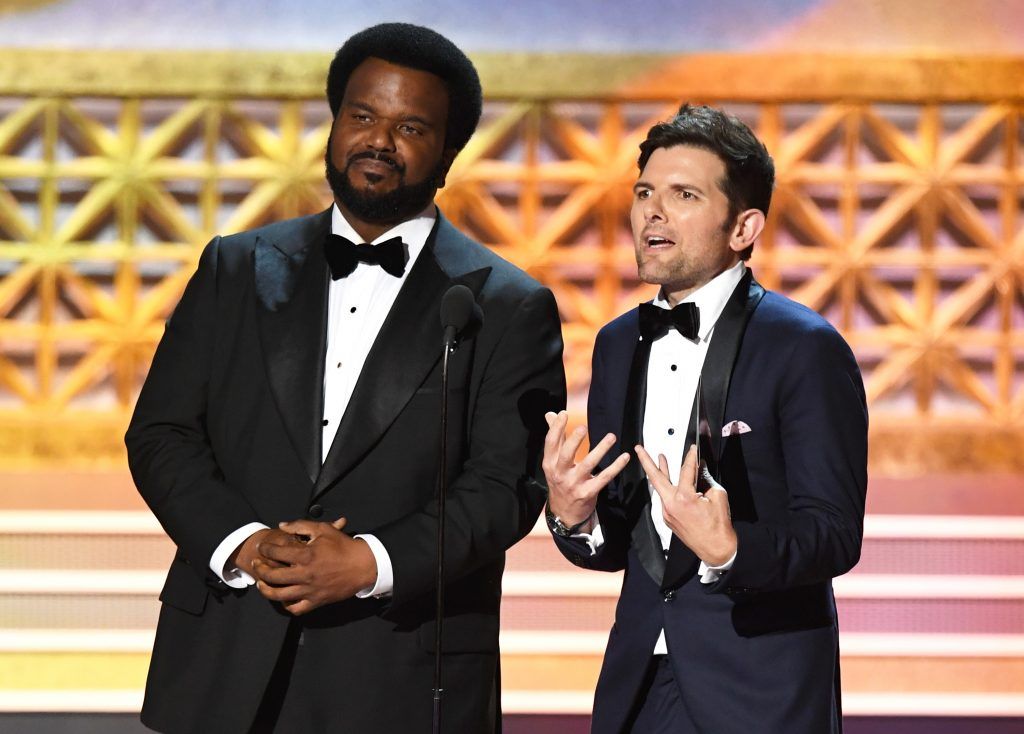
(659, 708)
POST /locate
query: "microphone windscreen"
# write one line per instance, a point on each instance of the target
(457, 307)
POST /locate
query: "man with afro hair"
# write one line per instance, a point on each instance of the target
(287, 434)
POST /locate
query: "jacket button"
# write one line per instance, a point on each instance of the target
(669, 595)
(316, 511)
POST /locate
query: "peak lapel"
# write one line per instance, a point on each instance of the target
(722, 351)
(406, 349)
(635, 494)
(291, 287)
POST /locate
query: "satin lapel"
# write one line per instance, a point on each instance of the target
(635, 495)
(291, 278)
(722, 351)
(406, 349)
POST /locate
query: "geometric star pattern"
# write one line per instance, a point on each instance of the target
(900, 222)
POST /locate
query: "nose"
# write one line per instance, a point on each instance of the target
(379, 137)
(652, 209)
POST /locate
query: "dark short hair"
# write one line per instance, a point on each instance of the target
(749, 170)
(414, 47)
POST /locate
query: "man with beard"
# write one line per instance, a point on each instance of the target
(726, 622)
(287, 434)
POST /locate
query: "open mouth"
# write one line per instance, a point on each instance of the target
(657, 241)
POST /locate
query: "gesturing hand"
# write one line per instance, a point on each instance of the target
(701, 520)
(572, 488)
(329, 566)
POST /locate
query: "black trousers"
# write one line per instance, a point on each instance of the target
(659, 707)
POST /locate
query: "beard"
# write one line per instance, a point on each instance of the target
(401, 203)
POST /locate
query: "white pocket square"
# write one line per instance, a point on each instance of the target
(734, 428)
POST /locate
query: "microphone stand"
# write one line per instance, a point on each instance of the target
(442, 490)
(458, 311)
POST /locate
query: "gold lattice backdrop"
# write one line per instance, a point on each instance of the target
(898, 214)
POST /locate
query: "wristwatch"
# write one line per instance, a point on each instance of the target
(559, 528)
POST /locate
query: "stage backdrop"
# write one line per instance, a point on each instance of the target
(128, 140)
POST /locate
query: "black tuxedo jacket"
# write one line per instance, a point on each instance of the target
(227, 430)
(756, 651)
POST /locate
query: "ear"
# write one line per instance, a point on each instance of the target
(748, 227)
(447, 158)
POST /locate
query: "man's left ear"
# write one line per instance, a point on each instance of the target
(447, 158)
(748, 227)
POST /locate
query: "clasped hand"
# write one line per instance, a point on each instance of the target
(305, 564)
(701, 520)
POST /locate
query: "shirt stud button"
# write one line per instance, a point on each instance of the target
(671, 431)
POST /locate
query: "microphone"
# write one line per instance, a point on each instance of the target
(460, 313)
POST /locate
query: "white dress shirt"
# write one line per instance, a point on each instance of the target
(357, 306)
(672, 373)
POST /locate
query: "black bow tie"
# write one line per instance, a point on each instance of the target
(343, 255)
(655, 322)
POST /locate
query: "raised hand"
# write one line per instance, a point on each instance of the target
(572, 487)
(700, 519)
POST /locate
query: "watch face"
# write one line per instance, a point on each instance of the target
(555, 525)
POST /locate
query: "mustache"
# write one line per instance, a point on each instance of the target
(373, 156)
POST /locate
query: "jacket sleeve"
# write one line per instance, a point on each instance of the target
(169, 450)
(822, 423)
(611, 554)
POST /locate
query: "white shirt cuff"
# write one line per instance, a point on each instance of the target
(711, 574)
(236, 578)
(385, 573)
(594, 539)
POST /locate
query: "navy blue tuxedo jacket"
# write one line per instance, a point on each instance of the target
(756, 651)
(227, 431)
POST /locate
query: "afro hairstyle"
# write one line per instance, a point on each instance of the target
(414, 47)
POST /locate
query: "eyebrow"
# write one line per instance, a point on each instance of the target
(416, 118)
(688, 187)
(361, 106)
(672, 187)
